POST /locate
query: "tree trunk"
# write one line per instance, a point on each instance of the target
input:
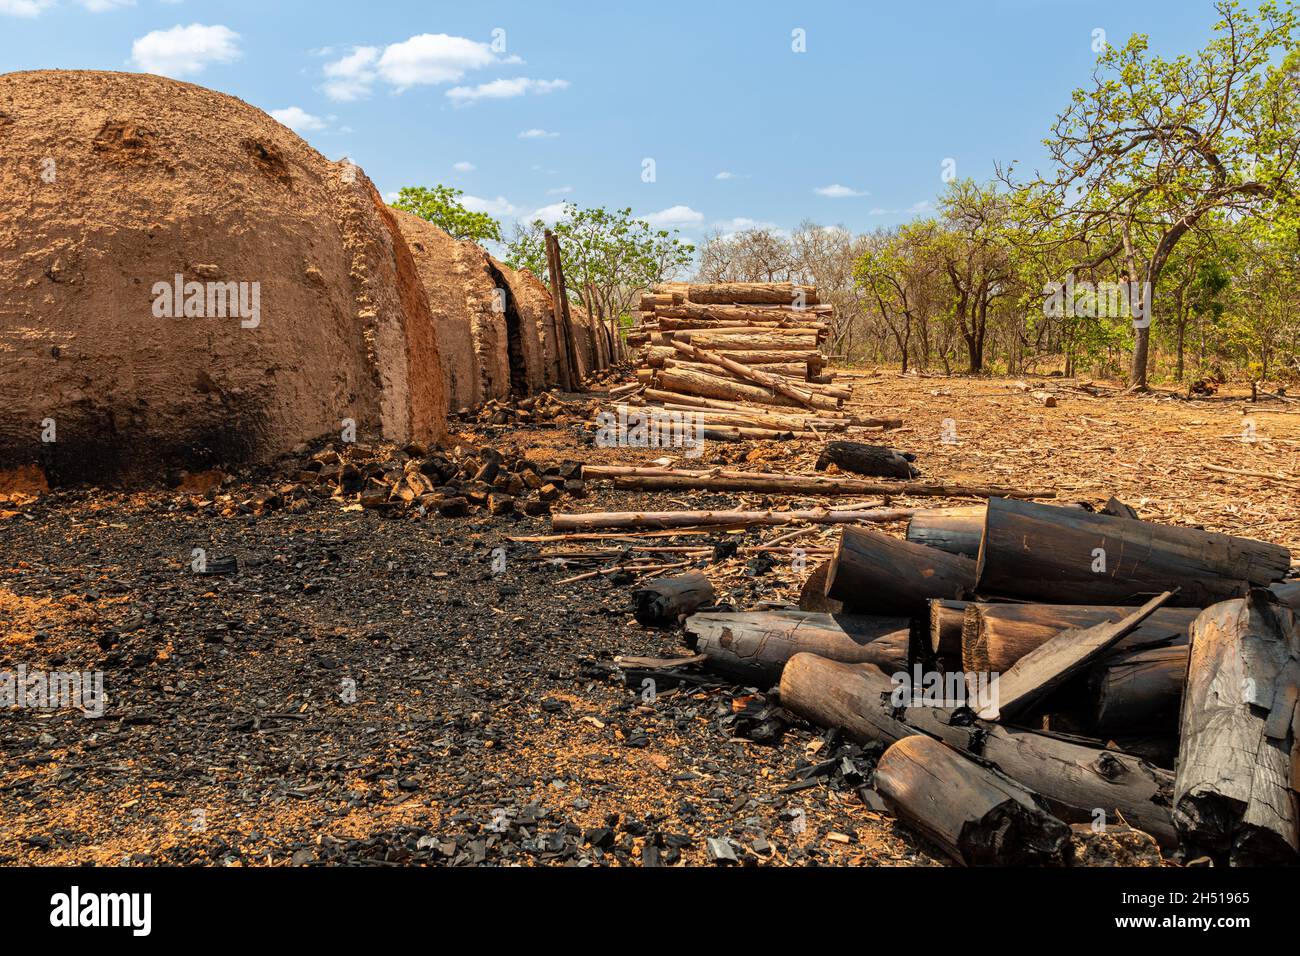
(1054, 554)
(872, 572)
(656, 355)
(1076, 780)
(776, 384)
(977, 816)
(754, 646)
(1235, 793)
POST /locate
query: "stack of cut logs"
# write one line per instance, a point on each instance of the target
(1063, 665)
(744, 357)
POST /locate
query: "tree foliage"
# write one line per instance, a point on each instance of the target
(609, 257)
(441, 206)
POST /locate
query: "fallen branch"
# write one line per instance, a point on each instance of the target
(689, 519)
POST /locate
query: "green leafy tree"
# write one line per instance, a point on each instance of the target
(441, 206)
(1154, 145)
(609, 257)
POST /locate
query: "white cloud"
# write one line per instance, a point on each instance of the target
(298, 119)
(537, 134)
(464, 166)
(559, 191)
(432, 58)
(423, 60)
(351, 77)
(836, 191)
(101, 6)
(504, 89)
(725, 174)
(551, 214)
(496, 207)
(674, 216)
(24, 8)
(185, 51)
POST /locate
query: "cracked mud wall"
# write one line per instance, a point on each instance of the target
(112, 183)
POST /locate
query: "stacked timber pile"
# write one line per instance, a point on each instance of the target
(744, 357)
(1050, 665)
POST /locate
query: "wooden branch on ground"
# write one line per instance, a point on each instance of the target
(726, 480)
(689, 519)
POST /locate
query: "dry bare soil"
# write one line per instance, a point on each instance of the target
(488, 724)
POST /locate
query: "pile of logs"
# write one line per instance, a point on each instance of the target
(1035, 665)
(746, 358)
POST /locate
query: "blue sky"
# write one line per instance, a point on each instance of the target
(526, 105)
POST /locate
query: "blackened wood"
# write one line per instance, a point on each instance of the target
(1288, 592)
(1119, 509)
(1053, 554)
(861, 459)
(1075, 779)
(1138, 689)
(976, 815)
(1035, 676)
(1233, 797)
(754, 646)
(663, 602)
(874, 573)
